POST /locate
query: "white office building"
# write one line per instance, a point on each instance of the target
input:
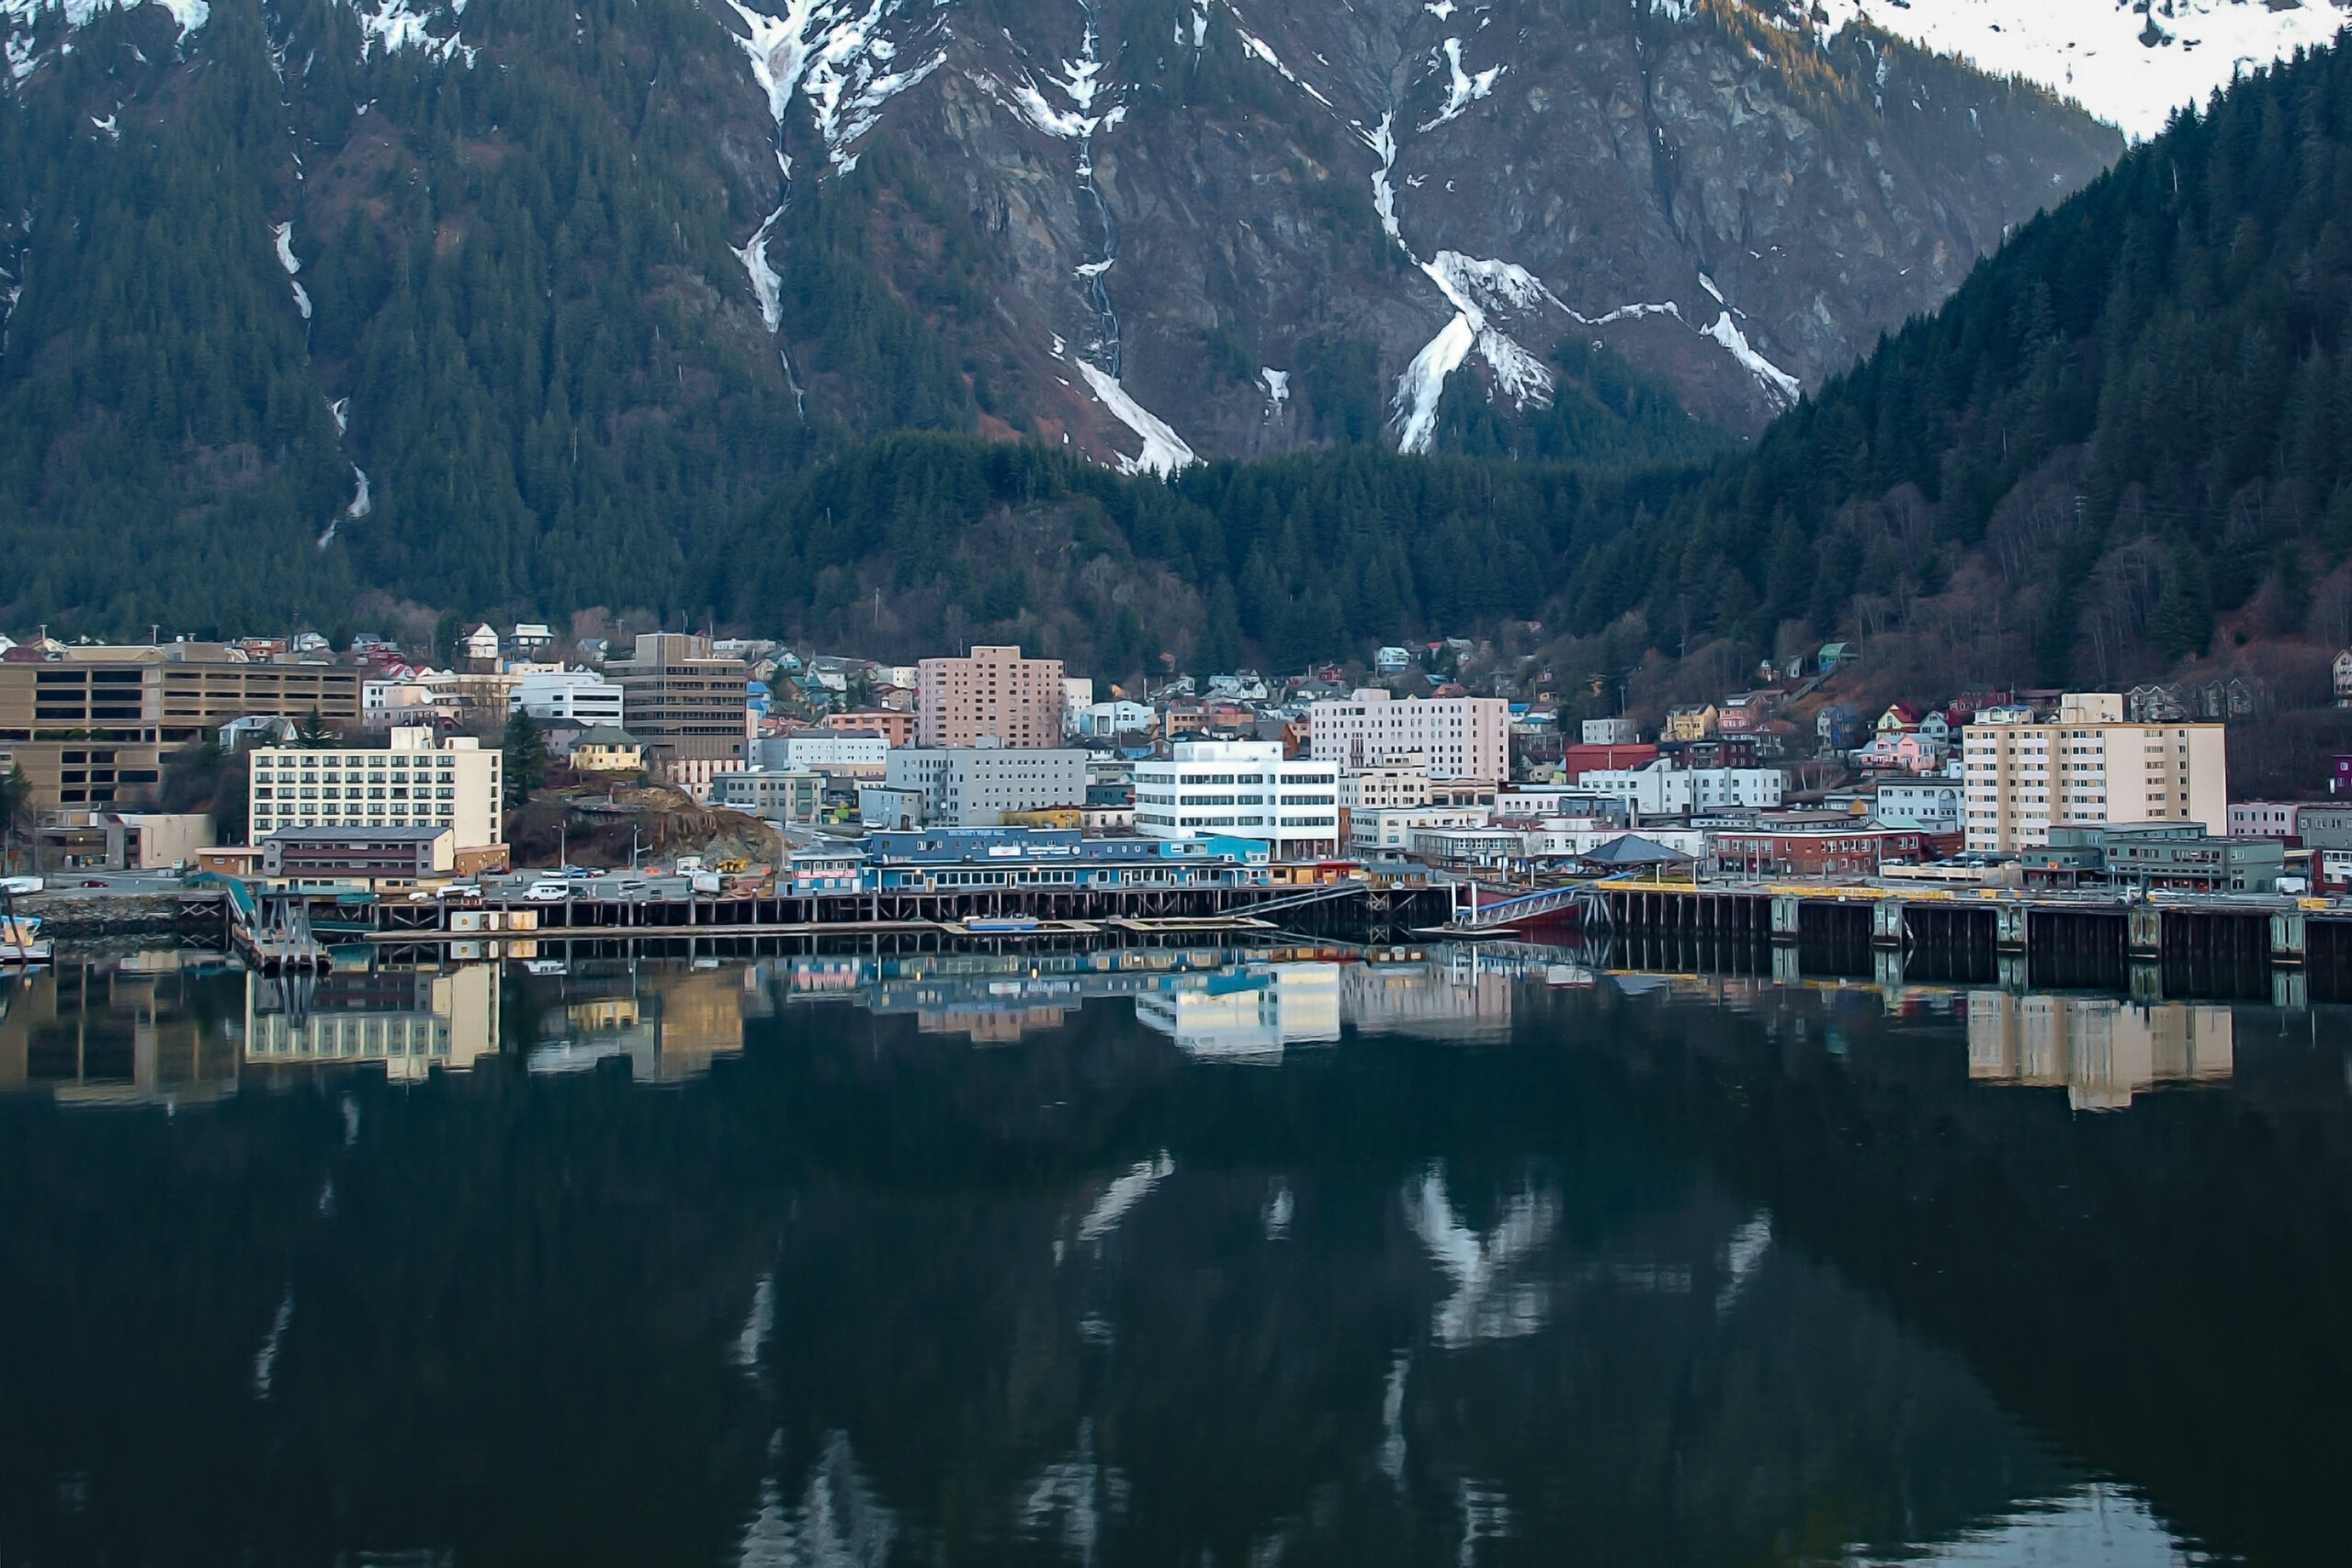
(864, 754)
(974, 786)
(1934, 804)
(791, 796)
(1609, 732)
(420, 781)
(1457, 738)
(1392, 827)
(1241, 789)
(1104, 721)
(1660, 789)
(583, 696)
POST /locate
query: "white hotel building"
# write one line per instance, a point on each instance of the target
(417, 783)
(1240, 789)
(1457, 738)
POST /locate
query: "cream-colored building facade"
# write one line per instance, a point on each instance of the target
(2100, 1050)
(1402, 780)
(2088, 765)
(421, 779)
(993, 693)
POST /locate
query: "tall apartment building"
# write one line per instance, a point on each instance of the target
(1458, 738)
(994, 692)
(420, 781)
(1240, 789)
(92, 727)
(686, 702)
(2022, 776)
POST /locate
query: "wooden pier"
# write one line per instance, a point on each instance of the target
(2210, 946)
(1361, 909)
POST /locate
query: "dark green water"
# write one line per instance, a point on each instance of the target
(1462, 1262)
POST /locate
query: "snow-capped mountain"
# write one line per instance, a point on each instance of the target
(1204, 207)
(2131, 63)
(1235, 226)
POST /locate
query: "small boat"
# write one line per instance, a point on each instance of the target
(984, 924)
(1469, 933)
(21, 942)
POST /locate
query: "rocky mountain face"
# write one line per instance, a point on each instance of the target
(1235, 228)
(523, 302)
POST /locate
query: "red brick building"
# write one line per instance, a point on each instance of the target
(1833, 852)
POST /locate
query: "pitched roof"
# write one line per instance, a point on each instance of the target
(1632, 848)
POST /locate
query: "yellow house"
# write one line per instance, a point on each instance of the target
(607, 748)
(1042, 817)
(1695, 722)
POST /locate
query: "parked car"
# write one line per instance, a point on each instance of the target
(460, 890)
(546, 891)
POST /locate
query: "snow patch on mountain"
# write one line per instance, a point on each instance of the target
(395, 24)
(1277, 386)
(1478, 288)
(1265, 52)
(1777, 383)
(2131, 66)
(838, 58)
(362, 503)
(20, 21)
(1463, 89)
(285, 232)
(1164, 451)
(767, 284)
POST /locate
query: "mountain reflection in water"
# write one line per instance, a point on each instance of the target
(1186, 1257)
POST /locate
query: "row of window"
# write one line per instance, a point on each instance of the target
(399, 791)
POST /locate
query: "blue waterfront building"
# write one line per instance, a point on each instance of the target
(924, 860)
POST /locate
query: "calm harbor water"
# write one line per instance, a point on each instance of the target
(1215, 1258)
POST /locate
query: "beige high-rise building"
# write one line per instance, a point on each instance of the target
(91, 726)
(2022, 776)
(686, 702)
(995, 693)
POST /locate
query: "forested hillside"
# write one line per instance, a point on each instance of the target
(914, 542)
(2129, 433)
(2130, 426)
(310, 311)
(505, 291)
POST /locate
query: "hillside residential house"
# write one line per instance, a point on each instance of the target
(1693, 721)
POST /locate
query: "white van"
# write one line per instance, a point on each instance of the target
(547, 891)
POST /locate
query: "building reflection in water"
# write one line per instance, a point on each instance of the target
(1246, 1014)
(669, 1023)
(2101, 1050)
(122, 1028)
(410, 1020)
